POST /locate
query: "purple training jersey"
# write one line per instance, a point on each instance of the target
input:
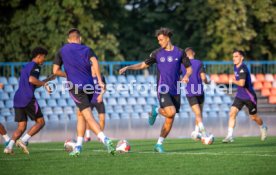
(168, 68)
(97, 92)
(194, 87)
(76, 61)
(246, 92)
(25, 93)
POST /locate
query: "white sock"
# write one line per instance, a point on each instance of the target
(87, 133)
(262, 126)
(25, 138)
(160, 140)
(202, 129)
(230, 132)
(157, 110)
(79, 141)
(102, 137)
(6, 137)
(10, 145)
(196, 128)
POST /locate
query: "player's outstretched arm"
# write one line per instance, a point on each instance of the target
(204, 78)
(138, 66)
(57, 71)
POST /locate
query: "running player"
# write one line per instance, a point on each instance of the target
(78, 60)
(195, 91)
(96, 102)
(168, 59)
(245, 96)
(25, 103)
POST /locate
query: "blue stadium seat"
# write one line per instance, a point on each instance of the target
(5, 112)
(61, 79)
(57, 110)
(9, 104)
(144, 93)
(112, 101)
(62, 102)
(140, 79)
(242, 113)
(124, 93)
(153, 93)
(3, 80)
(121, 79)
(205, 114)
(141, 101)
(131, 78)
(4, 96)
(135, 115)
(135, 93)
(224, 107)
(109, 109)
(13, 81)
(55, 95)
(40, 89)
(37, 95)
(128, 109)
(222, 114)
(138, 108)
(114, 115)
(125, 115)
(151, 101)
(47, 111)
(144, 115)
(215, 107)
(212, 114)
(208, 100)
(53, 117)
(131, 101)
(51, 103)
(68, 110)
(147, 108)
(8, 88)
(150, 79)
(217, 100)
(45, 95)
(71, 102)
(11, 94)
(227, 99)
(118, 109)
(2, 119)
(42, 103)
(65, 95)
(2, 104)
(206, 107)
(111, 79)
(122, 101)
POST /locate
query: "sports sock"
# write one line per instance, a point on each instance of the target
(87, 133)
(6, 137)
(79, 141)
(157, 110)
(262, 126)
(202, 129)
(10, 145)
(25, 138)
(230, 132)
(102, 137)
(196, 128)
(160, 140)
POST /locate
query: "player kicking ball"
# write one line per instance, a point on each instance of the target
(79, 61)
(25, 103)
(168, 59)
(195, 92)
(245, 96)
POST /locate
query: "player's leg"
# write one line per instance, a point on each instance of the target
(102, 120)
(198, 115)
(3, 132)
(231, 124)
(252, 108)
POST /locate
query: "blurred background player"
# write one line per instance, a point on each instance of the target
(96, 102)
(25, 103)
(195, 91)
(245, 96)
(78, 60)
(3, 131)
(168, 59)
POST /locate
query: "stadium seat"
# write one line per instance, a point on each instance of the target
(131, 101)
(47, 111)
(147, 108)
(215, 107)
(141, 79)
(121, 79)
(224, 107)
(214, 77)
(124, 93)
(114, 115)
(55, 95)
(111, 79)
(40, 89)
(183, 115)
(224, 79)
(112, 101)
(273, 91)
(241, 113)
(37, 95)
(61, 79)
(135, 93)
(151, 101)
(118, 109)
(144, 115)
(51, 103)
(128, 109)
(267, 84)
(2, 104)
(150, 79)
(8, 88)
(13, 81)
(45, 95)
(57, 110)
(65, 95)
(131, 78)
(122, 101)
(4, 96)
(42, 103)
(68, 110)
(53, 117)
(208, 100)
(125, 115)
(3, 80)
(141, 101)
(253, 78)
(5, 112)
(272, 99)
(260, 77)
(217, 100)
(227, 99)
(9, 104)
(265, 92)
(206, 107)
(212, 114)
(222, 114)
(258, 85)
(62, 102)
(138, 108)
(269, 78)
(144, 92)
(71, 102)
(109, 109)
(134, 115)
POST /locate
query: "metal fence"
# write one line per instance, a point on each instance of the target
(8, 69)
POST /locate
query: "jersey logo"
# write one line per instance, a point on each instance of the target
(253, 110)
(162, 59)
(176, 59)
(162, 100)
(241, 71)
(170, 58)
(37, 70)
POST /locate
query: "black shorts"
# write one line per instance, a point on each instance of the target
(32, 110)
(252, 107)
(99, 107)
(196, 100)
(81, 98)
(167, 99)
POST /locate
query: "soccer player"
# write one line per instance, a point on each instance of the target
(168, 59)
(245, 96)
(195, 90)
(96, 102)
(25, 103)
(78, 61)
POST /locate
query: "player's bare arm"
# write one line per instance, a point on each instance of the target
(189, 72)
(96, 68)
(240, 82)
(204, 78)
(138, 66)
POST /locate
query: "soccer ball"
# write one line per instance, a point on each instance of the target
(69, 145)
(208, 140)
(123, 146)
(196, 136)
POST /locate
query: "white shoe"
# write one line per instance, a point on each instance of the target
(228, 139)
(263, 133)
(8, 151)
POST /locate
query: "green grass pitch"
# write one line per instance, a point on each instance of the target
(246, 155)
